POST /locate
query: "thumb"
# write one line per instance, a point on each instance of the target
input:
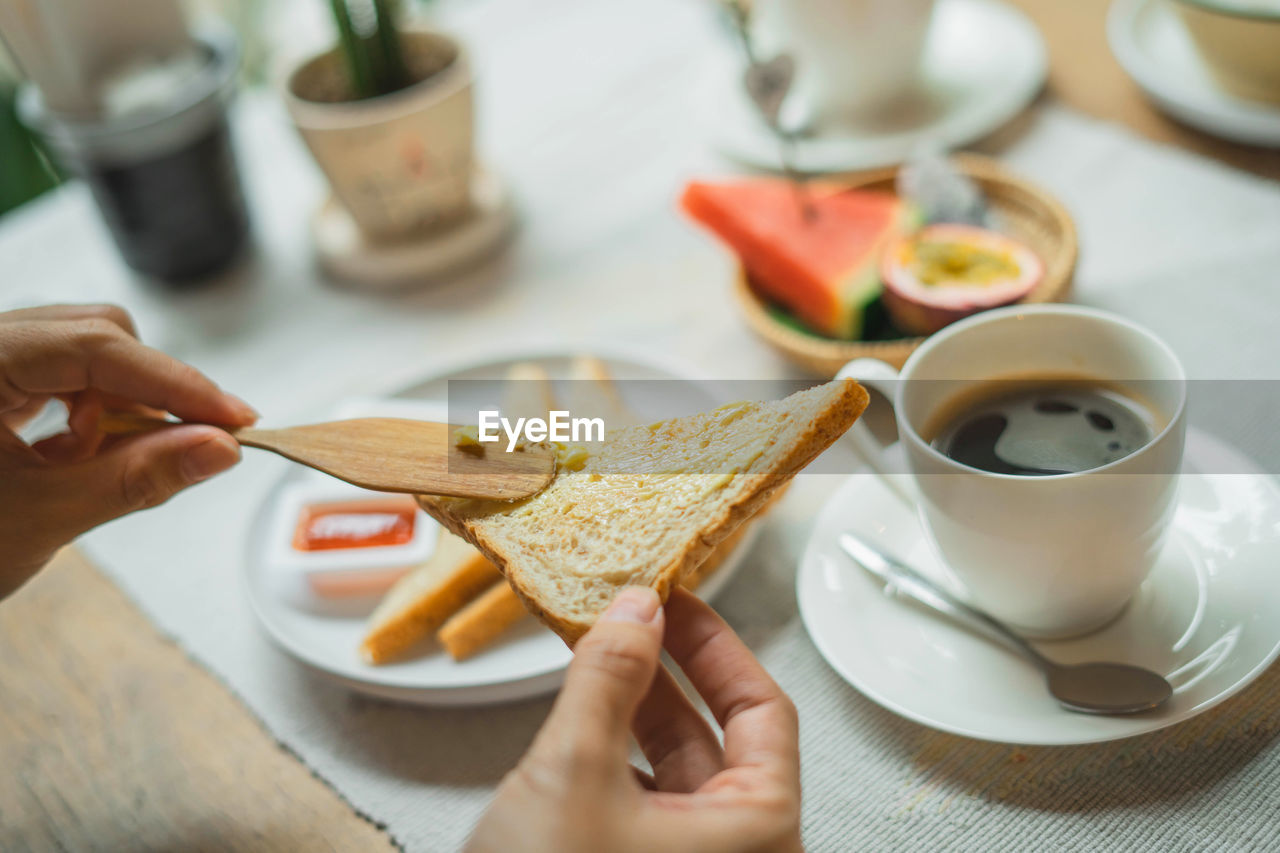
(612, 668)
(138, 473)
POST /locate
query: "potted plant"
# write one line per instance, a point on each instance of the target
(387, 113)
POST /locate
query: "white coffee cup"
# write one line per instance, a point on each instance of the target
(854, 58)
(1051, 556)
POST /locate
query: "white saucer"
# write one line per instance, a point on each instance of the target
(984, 62)
(529, 661)
(355, 261)
(1151, 43)
(1208, 617)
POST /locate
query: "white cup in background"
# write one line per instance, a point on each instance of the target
(1051, 556)
(854, 58)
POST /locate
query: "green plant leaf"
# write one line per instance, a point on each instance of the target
(370, 42)
(24, 173)
(395, 75)
(359, 71)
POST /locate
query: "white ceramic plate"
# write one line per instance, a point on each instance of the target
(530, 660)
(984, 62)
(1151, 43)
(1208, 617)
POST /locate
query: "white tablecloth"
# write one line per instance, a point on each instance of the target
(593, 113)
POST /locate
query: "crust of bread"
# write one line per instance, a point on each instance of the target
(728, 545)
(828, 426)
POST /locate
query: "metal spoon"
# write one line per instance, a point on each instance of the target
(1091, 688)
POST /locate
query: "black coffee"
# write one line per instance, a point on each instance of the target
(1037, 429)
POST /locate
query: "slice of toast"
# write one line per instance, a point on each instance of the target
(649, 504)
(481, 622)
(592, 393)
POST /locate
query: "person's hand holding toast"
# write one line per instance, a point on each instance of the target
(574, 789)
(56, 489)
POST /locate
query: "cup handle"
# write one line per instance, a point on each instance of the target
(882, 377)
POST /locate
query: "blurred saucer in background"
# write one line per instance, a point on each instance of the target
(1155, 49)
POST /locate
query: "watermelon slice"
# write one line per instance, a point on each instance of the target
(824, 270)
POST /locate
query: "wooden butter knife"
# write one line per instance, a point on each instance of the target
(388, 455)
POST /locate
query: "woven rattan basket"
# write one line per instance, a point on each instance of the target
(1024, 211)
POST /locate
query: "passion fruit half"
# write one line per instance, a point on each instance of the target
(941, 273)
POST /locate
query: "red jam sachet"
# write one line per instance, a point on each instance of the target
(372, 523)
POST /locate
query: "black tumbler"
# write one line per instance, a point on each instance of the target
(164, 179)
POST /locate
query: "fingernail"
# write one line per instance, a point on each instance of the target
(246, 411)
(208, 458)
(633, 604)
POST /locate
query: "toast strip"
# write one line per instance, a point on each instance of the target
(593, 394)
(481, 622)
(425, 597)
(526, 391)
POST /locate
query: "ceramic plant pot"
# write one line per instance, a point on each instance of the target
(401, 163)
